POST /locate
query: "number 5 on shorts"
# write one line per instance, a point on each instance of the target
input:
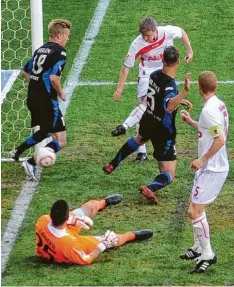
(196, 191)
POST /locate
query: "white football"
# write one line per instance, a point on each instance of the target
(45, 157)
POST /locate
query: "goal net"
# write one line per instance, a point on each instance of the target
(17, 30)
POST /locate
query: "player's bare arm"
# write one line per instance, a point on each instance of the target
(26, 75)
(174, 102)
(215, 147)
(56, 83)
(122, 79)
(185, 40)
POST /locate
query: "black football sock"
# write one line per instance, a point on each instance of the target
(54, 145)
(128, 148)
(30, 142)
(31, 161)
(161, 180)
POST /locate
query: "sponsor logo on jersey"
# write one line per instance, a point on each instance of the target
(155, 58)
(34, 78)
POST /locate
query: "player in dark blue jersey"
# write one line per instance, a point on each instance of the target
(43, 71)
(158, 124)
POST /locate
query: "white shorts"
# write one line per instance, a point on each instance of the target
(207, 186)
(142, 87)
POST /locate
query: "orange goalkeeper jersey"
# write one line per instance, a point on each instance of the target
(63, 246)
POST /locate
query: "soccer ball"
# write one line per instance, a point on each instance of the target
(45, 157)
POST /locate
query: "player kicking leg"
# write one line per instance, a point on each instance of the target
(128, 148)
(135, 117)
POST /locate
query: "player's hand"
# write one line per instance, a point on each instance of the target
(197, 164)
(188, 58)
(187, 82)
(185, 116)
(84, 222)
(187, 104)
(117, 95)
(109, 239)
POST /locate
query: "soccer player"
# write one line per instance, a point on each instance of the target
(58, 236)
(158, 124)
(149, 46)
(211, 168)
(43, 71)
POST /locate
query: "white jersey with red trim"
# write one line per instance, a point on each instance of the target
(213, 121)
(151, 53)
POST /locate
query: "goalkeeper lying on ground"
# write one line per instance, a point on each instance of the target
(58, 236)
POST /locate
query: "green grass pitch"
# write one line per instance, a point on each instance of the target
(77, 175)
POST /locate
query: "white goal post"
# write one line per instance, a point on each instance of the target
(21, 35)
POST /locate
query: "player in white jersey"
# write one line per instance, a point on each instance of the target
(149, 47)
(211, 168)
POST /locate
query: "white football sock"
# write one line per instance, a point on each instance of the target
(196, 247)
(201, 229)
(135, 116)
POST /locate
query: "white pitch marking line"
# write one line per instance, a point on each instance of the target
(27, 191)
(9, 83)
(103, 83)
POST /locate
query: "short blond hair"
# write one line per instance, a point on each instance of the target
(147, 24)
(57, 26)
(207, 82)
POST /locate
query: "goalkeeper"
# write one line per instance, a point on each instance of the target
(58, 236)
(158, 123)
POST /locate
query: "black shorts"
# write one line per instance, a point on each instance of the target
(164, 147)
(48, 116)
(164, 151)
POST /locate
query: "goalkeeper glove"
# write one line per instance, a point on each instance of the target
(109, 240)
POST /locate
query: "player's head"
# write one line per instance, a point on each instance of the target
(59, 31)
(207, 83)
(59, 212)
(148, 29)
(171, 56)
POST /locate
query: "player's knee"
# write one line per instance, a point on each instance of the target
(192, 212)
(139, 140)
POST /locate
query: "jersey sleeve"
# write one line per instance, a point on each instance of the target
(77, 256)
(211, 122)
(170, 92)
(173, 31)
(58, 62)
(28, 67)
(131, 56)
